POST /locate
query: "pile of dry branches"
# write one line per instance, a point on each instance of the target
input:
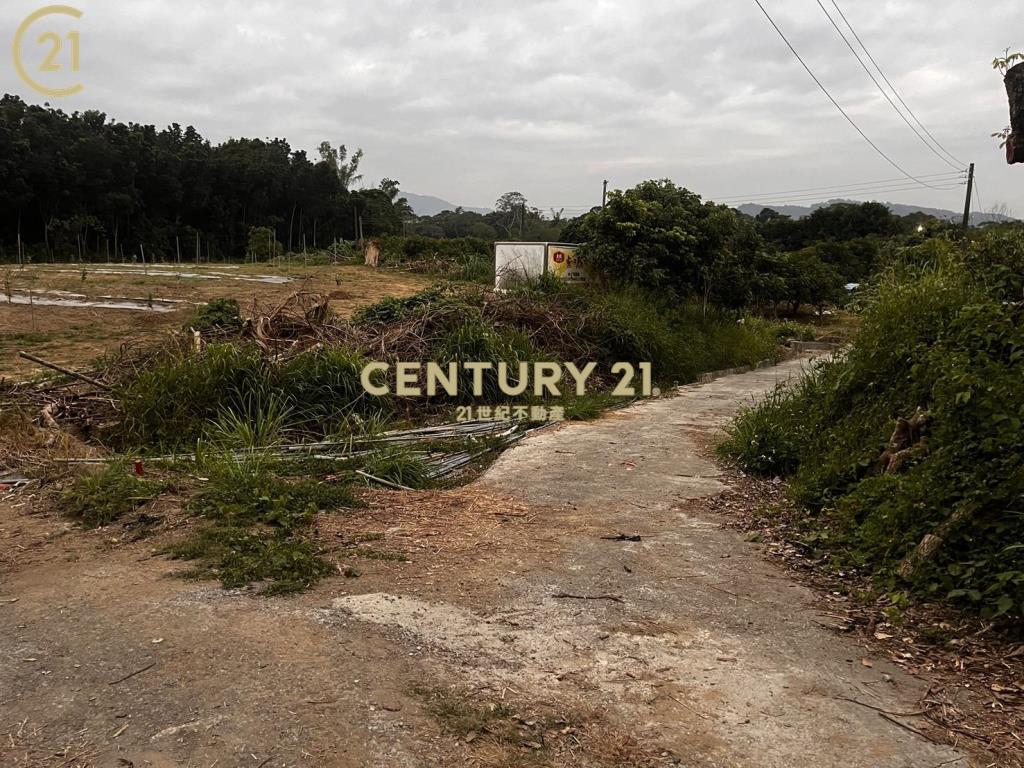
(302, 322)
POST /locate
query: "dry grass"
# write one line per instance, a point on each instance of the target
(506, 730)
(36, 451)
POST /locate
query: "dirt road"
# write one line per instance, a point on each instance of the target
(523, 630)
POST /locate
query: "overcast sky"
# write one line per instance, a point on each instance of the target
(468, 99)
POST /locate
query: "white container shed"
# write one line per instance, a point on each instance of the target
(514, 261)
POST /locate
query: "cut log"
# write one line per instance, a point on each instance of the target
(1014, 81)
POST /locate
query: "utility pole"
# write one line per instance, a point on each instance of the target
(604, 193)
(967, 202)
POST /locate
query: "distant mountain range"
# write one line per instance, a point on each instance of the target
(428, 205)
(899, 209)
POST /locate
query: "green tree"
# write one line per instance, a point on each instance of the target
(338, 160)
(511, 210)
(262, 244)
(811, 281)
(662, 236)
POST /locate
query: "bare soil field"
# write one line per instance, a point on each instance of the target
(70, 314)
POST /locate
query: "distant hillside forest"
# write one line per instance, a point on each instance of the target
(81, 187)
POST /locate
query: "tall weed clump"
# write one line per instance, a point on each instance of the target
(322, 388)
(547, 319)
(184, 396)
(173, 400)
(939, 338)
(475, 340)
(469, 259)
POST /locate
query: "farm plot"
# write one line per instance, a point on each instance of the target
(71, 314)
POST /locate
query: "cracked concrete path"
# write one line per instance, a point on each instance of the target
(689, 637)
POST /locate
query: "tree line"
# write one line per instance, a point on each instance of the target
(81, 186)
(665, 238)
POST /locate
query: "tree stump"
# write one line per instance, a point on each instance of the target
(371, 253)
(1014, 81)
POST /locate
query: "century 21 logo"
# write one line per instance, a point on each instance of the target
(55, 58)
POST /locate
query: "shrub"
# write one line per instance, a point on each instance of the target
(546, 319)
(938, 338)
(217, 314)
(392, 308)
(263, 244)
(468, 259)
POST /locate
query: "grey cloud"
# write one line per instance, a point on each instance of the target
(469, 99)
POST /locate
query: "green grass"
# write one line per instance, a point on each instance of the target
(589, 406)
(27, 338)
(98, 498)
(393, 308)
(398, 465)
(256, 525)
(239, 557)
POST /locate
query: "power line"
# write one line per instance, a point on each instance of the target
(817, 198)
(882, 90)
(896, 93)
(835, 103)
(977, 195)
(832, 195)
(934, 177)
(872, 193)
(941, 181)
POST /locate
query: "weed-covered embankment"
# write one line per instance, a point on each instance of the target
(907, 449)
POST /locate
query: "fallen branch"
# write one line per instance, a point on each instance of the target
(883, 711)
(132, 674)
(568, 596)
(65, 371)
(913, 730)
